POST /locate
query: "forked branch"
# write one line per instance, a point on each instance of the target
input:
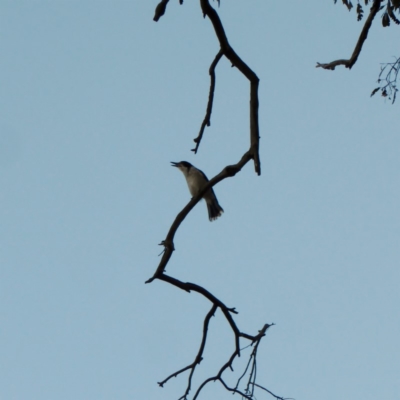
(229, 171)
(216, 303)
(237, 62)
(229, 364)
(227, 50)
(199, 356)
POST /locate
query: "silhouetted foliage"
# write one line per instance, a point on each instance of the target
(387, 83)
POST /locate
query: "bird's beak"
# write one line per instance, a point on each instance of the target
(174, 164)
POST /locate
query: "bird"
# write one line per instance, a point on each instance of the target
(196, 180)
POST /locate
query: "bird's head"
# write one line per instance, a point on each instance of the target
(182, 165)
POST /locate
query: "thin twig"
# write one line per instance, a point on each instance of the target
(198, 357)
(389, 89)
(272, 394)
(207, 118)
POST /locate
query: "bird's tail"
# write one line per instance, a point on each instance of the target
(214, 209)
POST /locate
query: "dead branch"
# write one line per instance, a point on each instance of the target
(229, 171)
(228, 364)
(189, 287)
(216, 303)
(357, 50)
(237, 62)
(199, 356)
(207, 118)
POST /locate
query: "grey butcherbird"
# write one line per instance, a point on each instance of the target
(196, 180)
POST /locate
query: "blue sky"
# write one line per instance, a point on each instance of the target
(96, 99)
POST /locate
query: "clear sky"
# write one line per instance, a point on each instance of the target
(96, 99)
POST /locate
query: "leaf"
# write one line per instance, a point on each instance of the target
(385, 20)
(348, 4)
(374, 91)
(160, 10)
(396, 4)
(360, 12)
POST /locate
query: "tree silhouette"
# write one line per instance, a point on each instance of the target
(246, 383)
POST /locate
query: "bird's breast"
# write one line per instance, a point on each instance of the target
(195, 183)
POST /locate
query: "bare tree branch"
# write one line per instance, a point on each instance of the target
(252, 153)
(207, 118)
(255, 339)
(237, 62)
(357, 50)
(253, 371)
(199, 356)
(228, 364)
(229, 171)
(189, 287)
